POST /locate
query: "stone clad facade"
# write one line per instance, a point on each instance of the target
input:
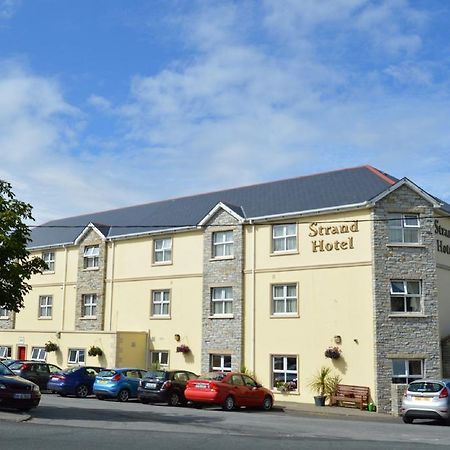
(91, 281)
(223, 335)
(404, 336)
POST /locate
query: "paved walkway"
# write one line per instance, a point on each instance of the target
(331, 411)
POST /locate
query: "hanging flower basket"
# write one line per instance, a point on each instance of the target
(51, 347)
(95, 351)
(183, 349)
(333, 352)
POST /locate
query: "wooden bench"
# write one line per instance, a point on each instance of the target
(348, 394)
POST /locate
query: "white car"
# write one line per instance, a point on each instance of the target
(427, 399)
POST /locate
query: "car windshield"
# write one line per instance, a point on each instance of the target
(425, 386)
(71, 369)
(216, 376)
(156, 374)
(4, 370)
(16, 365)
(107, 373)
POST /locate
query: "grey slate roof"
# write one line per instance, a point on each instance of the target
(324, 190)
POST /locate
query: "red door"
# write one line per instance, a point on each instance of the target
(21, 352)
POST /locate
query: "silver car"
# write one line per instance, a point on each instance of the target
(427, 399)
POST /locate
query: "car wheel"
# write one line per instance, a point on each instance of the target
(174, 399)
(123, 396)
(100, 397)
(229, 404)
(82, 391)
(267, 403)
(407, 419)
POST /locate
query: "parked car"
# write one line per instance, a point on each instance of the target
(230, 390)
(76, 381)
(121, 383)
(16, 392)
(164, 386)
(8, 362)
(426, 399)
(36, 371)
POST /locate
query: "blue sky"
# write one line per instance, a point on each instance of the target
(108, 103)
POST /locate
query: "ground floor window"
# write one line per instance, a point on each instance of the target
(38, 354)
(76, 356)
(406, 370)
(220, 363)
(159, 359)
(284, 372)
(5, 352)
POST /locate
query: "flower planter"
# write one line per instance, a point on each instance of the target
(319, 400)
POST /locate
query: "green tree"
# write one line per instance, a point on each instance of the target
(16, 265)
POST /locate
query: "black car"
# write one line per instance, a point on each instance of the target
(36, 371)
(164, 386)
(15, 392)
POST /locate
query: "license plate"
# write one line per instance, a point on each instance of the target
(54, 379)
(201, 385)
(423, 399)
(150, 385)
(22, 396)
(102, 381)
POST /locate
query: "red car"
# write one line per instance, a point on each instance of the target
(230, 390)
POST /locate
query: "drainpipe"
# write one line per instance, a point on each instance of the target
(111, 295)
(253, 299)
(66, 252)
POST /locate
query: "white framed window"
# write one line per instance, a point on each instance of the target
(221, 301)
(405, 371)
(162, 250)
(284, 372)
(45, 306)
(284, 237)
(91, 256)
(4, 313)
(406, 296)
(220, 363)
(284, 299)
(222, 244)
(38, 354)
(404, 228)
(76, 356)
(89, 305)
(49, 259)
(160, 303)
(5, 352)
(159, 359)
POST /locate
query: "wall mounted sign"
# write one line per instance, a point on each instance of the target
(445, 232)
(328, 232)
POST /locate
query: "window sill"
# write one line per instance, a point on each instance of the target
(221, 258)
(404, 244)
(285, 316)
(276, 391)
(88, 318)
(90, 269)
(408, 315)
(5, 318)
(162, 263)
(221, 316)
(285, 253)
(48, 272)
(45, 318)
(160, 317)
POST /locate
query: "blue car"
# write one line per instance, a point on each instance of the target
(120, 384)
(76, 381)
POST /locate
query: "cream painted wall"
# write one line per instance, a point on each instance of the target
(185, 316)
(132, 350)
(332, 302)
(305, 256)
(335, 298)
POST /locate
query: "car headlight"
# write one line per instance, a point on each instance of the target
(3, 386)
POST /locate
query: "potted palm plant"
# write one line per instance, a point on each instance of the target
(323, 383)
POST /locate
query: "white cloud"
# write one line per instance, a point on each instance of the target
(8, 8)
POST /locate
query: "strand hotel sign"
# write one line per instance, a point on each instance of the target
(442, 232)
(330, 238)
